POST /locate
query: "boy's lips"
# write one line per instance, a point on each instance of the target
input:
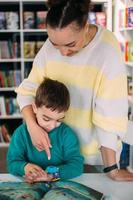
(47, 130)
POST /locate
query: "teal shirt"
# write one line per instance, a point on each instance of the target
(65, 152)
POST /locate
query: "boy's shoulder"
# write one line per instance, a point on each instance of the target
(66, 130)
(22, 129)
(64, 126)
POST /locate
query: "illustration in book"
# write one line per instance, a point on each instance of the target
(60, 190)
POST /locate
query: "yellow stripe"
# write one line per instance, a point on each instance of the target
(37, 75)
(66, 73)
(79, 117)
(107, 37)
(111, 89)
(90, 149)
(110, 124)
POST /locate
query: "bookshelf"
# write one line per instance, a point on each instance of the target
(22, 33)
(123, 28)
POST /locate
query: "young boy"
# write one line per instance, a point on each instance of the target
(52, 100)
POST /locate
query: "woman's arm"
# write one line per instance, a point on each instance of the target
(39, 137)
(25, 97)
(109, 158)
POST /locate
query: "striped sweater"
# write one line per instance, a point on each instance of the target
(96, 79)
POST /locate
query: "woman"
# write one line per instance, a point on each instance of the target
(87, 59)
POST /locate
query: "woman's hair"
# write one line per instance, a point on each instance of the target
(52, 94)
(64, 12)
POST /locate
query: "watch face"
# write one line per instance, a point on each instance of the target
(52, 169)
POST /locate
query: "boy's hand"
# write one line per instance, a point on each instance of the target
(34, 173)
(40, 138)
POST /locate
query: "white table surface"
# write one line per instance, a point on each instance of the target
(112, 189)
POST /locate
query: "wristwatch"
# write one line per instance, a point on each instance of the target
(54, 171)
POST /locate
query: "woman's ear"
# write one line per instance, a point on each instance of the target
(34, 107)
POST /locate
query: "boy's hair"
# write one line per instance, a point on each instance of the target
(52, 94)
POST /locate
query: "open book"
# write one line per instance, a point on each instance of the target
(60, 190)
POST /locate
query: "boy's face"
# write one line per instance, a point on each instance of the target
(47, 118)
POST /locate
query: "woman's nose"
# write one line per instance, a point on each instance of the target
(64, 51)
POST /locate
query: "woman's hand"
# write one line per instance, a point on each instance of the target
(34, 173)
(120, 175)
(40, 138)
(109, 159)
(38, 135)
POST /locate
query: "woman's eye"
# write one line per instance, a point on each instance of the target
(72, 45)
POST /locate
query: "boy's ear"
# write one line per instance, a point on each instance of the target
(34, 107)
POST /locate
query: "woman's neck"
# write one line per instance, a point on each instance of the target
(92, 30)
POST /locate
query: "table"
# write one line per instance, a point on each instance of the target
(98, 181)
(114, 190)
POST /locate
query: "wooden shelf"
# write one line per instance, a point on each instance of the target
(11, 116)
(130, 64)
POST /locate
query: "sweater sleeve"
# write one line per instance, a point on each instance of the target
(16, 156)
(73, 160)
(110, 102)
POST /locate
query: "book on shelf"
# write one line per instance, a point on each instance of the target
(39, 45)
(127, 50)
(101, 19)
(126, 17)
(4, 50)
(10, 78)
(8, 106)
(98, 18)
(9, 49)
(129, 17)
(5, 133)
(41, 19)
(2, 82)
(130, 51)
(12, 20)
(2, 20)
(92, 17)
(2, 106)
(29, 20)
(29, 49)
(1, 136)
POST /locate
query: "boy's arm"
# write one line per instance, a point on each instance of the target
(73, 160)
(16, 156)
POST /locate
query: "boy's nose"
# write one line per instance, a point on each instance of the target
(53, 124)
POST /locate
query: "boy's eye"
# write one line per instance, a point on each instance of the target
(60, 121)
(46, 120)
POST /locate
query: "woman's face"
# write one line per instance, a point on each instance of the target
(67, 40)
